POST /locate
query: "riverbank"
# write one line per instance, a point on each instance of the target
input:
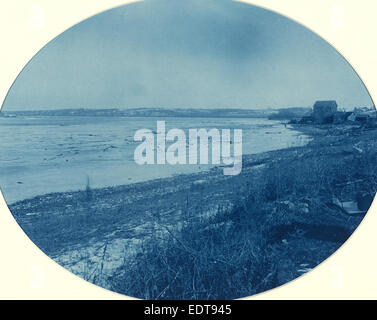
(207, 235)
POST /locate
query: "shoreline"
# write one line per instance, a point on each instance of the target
(205, 192)
(221, 191)
(77, 228)
(248, 160)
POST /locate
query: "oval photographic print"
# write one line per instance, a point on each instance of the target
(191, 149)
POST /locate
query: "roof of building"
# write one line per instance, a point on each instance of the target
(327, 103)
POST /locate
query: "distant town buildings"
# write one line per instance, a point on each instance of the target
(326, 112)
(363, 115)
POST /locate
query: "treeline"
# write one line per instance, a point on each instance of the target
(145, 112)
(290, 113)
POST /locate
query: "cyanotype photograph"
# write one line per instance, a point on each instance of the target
(188, 149)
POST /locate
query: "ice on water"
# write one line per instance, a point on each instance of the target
(47, 154)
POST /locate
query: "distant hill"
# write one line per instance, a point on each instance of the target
(290, 113)
(146, 112)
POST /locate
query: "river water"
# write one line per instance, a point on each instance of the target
(47, 154)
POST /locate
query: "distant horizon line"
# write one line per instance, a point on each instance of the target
(172, 108)
(156, 107)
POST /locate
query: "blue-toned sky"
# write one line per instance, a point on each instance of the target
(186, 53)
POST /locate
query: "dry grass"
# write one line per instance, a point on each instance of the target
(282, 222)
